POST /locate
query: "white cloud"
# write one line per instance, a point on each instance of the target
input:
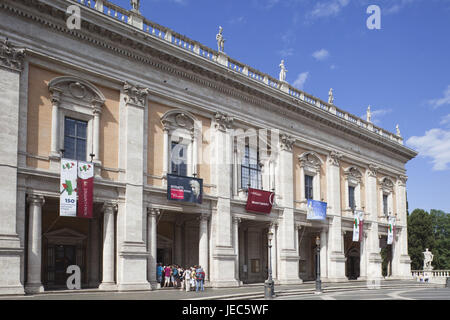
(286, 52)
(328, 8)
(300, 81)
(434, 144)
(237, 20)
(333, 67)
(321, 54)
(442, 101)
(445, 120)
(395, 8)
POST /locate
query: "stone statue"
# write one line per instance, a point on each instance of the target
(428, 258)
(330, 96)
(136, 4)
(398, 130)
(283, 71)
(369, 114)
(220, 40)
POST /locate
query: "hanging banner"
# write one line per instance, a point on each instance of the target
(68, 188)
(391, 226)
(85, 189)
(316, 210)
(358, 226)
(259, 201)
(186, 189)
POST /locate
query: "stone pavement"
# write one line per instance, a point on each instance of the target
(245, 292)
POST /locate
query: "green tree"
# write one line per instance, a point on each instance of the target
(441, 230)
(420, 236)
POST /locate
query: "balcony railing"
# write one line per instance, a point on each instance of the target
(196, 48)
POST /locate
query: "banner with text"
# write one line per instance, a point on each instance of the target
(391, 230)
(85, 189)
(68, 188)
(185, 189)
(316, 210)
(259, 201)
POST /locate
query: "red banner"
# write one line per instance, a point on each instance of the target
(85, 190)
(259, 201)
(361, 231)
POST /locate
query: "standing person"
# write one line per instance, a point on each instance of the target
(181, 277)
(187, 278)
(193, 280)
(167, 276)
(174, 276)
(159, 273)
(200, 275)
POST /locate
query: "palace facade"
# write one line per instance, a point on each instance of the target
(124, 92)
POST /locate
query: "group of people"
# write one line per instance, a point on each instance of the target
(178, 277)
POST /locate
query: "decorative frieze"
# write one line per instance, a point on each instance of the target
(222, 122)
(11, 57)
(136, 95)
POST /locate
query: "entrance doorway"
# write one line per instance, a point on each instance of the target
(353, 256)
(65, 256)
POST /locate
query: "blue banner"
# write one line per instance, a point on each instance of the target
(316, 210)
(185, 189)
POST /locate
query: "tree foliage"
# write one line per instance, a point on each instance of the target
(429, 230)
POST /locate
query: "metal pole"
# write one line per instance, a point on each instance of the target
(318, 281)
(268, 285)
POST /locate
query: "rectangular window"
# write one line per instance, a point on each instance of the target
(179, 159)
(385, 204)
(250, 169)
(309, 187)
(351, 197)
(75, 136)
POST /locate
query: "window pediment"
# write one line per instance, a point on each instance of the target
(387, 185)
(310, 162)
(178, 119)
(353, 175)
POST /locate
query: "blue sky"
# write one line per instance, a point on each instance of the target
(402, 70)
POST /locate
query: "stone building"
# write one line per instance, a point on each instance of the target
(122, 91)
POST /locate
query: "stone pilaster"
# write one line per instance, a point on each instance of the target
(203, 244)
(152, 246)
(94, 262)
(34, 282)
(336, 257)
(236, 222)
(11, 65)
(132, 262)
(288, 264)
(108, 282)
(223, 253)
(373, 243)
(324, 254)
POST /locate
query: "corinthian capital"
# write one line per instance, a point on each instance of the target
(11, 57)
(334, 158)
(373, 170)
(222, 122)
(136, 95)
(402, 180)
(286, 142)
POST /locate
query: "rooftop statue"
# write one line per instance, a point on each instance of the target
(330, 96)
(398, 130)
(283, 71)
(220, 40)
(136, 4)
(369, 114)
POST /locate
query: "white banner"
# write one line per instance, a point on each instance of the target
(390, 237)
(356, 227)
(68, 188)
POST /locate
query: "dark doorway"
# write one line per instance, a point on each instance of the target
(65, 256)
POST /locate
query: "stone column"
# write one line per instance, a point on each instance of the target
(166, 152)
(152, 247)
(108, 282)
(203, 243)
(223, 255)
(374, 261)
(336, 257)
(54, 146)
(94, 262)
(236, 222)
(194, 154)
(323, 254)
(178, 243)
(97, 110)
(288, 264)
(363, 257)
(34, 284)
(11, 66)
(133, 255)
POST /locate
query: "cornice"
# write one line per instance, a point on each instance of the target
(168, 58)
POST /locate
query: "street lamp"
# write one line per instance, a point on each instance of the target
(318, 281)
(269, 285)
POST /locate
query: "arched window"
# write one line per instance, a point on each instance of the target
(310, 164)
(386, 197)
(353, 181)
(76, 110)
(181, 133)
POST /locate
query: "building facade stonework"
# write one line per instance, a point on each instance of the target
(124, 93)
